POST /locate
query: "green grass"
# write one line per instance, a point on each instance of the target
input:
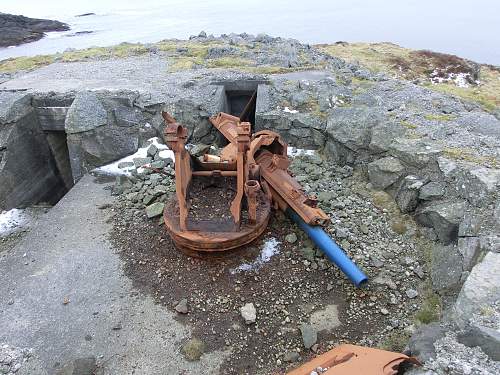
(439, 117)
(229, 62)
(431, 308)
(417, 66)
(466, 154)
(396, 341)
(408, 124)
(25, 63)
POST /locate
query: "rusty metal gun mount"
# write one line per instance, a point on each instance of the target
(252, 168)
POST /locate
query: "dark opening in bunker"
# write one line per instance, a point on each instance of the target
(240, 98)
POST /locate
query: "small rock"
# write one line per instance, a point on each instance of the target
(139, 162)
(155, 209)
(291, 238)
(384, 311)
(411, 293)
(182, 306)
(152, 151)
(291, 357)
(193, 349)
(248, 313)
(199, 150)
(309, 335)
(125, 164)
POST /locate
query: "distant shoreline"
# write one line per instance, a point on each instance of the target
(16, 29)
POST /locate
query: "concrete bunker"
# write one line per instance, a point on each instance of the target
(34, 165)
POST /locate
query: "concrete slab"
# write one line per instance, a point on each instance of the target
(67, 258)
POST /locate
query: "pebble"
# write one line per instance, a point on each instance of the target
(411, 293)
(182, 306)
(309, 335)
(248, 313)
(291, 238)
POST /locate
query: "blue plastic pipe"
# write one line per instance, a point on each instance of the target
(331, 249)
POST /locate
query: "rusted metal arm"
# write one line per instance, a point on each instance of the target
(175, 135)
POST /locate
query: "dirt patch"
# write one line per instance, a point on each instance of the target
(289, 282)
(284, 290)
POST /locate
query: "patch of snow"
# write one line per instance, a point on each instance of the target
(112, 169)
(286, 109)
(293, 151)
(12, 220)
(270, 248)
(459, 79)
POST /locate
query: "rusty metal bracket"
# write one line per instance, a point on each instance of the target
(257, 166)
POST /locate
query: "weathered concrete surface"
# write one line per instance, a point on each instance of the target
(28, 172)
(67, 256)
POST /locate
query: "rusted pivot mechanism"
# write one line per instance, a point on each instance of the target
(253, 167)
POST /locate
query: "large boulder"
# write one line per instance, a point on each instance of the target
(385, 172)
(488, 339)
(480, 290)
(13, 106)
(100, 146)
(354, 134)
(408, 193)
(446, 267)
(432, 190)
(85, 113)
(477, 309)
(479, 185)
(421, 343)
(443, 217)
(469, 248)
(414, 152)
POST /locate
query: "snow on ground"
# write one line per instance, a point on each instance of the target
(459, 79)
(113, 169)
(270, 248)
(294, 151)
(13, 220)
(286, 109)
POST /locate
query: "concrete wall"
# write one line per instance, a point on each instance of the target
(28, 172)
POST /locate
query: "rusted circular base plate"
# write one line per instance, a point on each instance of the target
(214, 235)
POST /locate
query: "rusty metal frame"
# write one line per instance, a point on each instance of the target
(259, 164)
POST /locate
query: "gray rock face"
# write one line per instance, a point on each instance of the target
(13, 106)
(414, 152)
(85, 113)
(446, 267)
(479, 185)
(408, 193)
(385, 172)
(155, 209)
(444, 218)
(422, 341)
(126, 117)
(352, 133)
(486, 338)
(469, 248)
(432, 190)
(481, 289)
(91, 149)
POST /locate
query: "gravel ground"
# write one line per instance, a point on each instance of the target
(294, 288)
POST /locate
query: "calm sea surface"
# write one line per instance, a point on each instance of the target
(466, 28)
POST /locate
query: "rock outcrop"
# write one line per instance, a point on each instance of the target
(16, 30)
